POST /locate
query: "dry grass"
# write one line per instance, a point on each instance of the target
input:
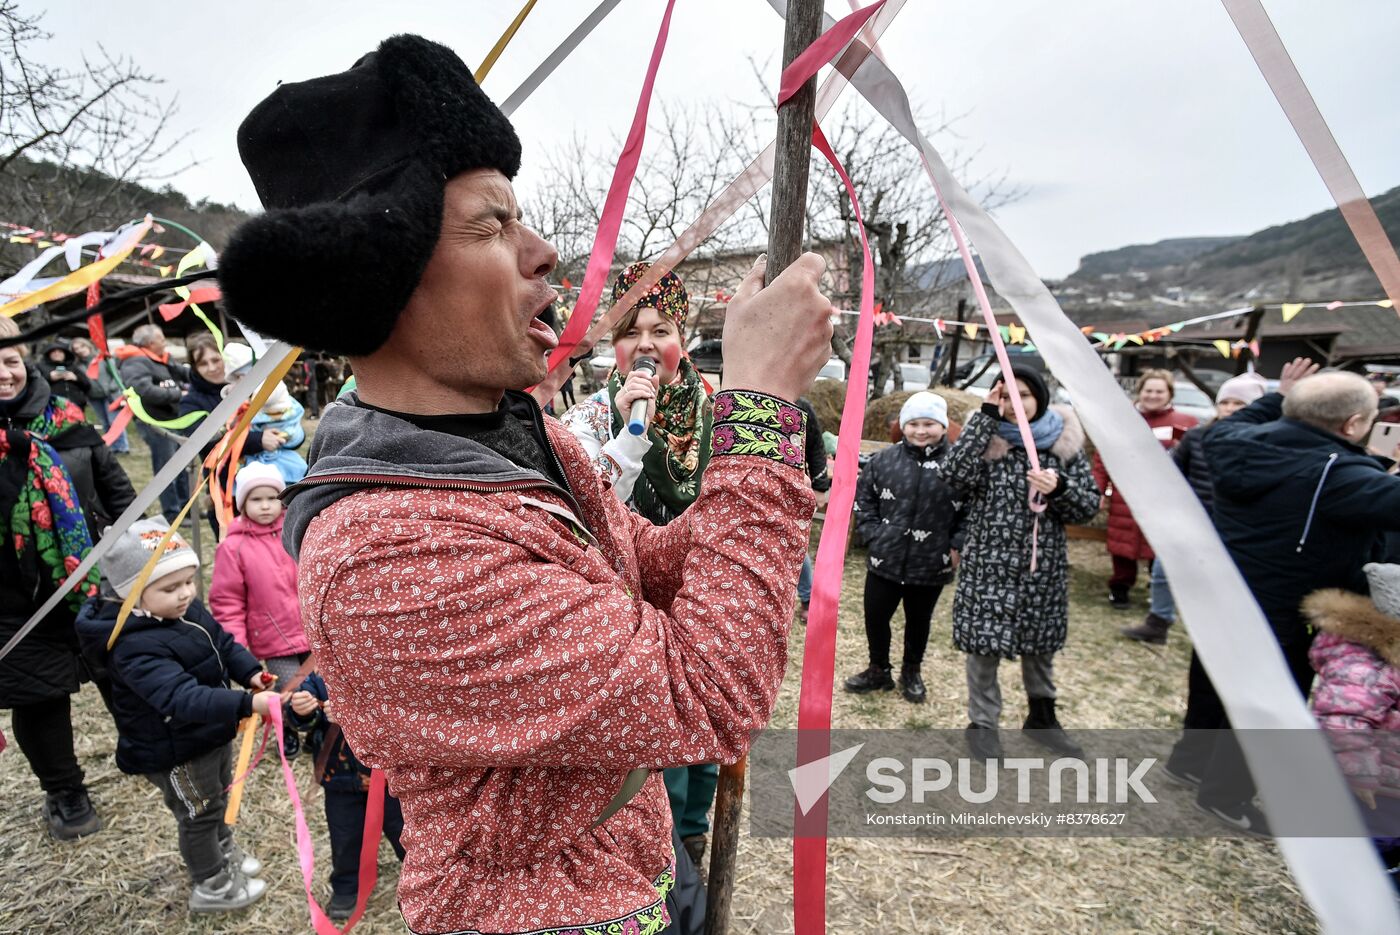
(129, 877)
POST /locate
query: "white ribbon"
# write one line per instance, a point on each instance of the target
(1340, 877)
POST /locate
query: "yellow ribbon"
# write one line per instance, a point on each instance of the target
(240, 769)
(74, 282)
(1290, 310)
(258, 401)
(501, 43)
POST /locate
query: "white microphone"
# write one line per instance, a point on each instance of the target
(637, 418)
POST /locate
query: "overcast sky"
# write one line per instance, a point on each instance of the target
(1126, 122)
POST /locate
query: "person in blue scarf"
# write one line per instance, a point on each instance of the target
(1012, 596)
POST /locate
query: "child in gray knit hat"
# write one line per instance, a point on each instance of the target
(177, 699)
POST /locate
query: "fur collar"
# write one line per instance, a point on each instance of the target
(1069, 444)
(1355, 619)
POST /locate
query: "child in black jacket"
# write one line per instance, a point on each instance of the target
(908, 516)
(346, 783)
(171, 667)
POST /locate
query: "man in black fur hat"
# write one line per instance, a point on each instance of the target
(519, 654)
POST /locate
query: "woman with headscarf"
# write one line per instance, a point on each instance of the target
(657, 474)
(1012, 595)
(59, 486)
(1127, 546)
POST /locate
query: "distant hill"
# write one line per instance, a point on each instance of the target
(1174, 252)
(71, 201)
(1310, 259)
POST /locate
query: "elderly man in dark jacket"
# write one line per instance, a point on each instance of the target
(146, 367)
(1301, 505)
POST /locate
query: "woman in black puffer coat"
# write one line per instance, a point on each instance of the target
(38, 677)
(909, 517)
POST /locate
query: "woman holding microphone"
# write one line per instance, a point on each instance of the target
(655, 471)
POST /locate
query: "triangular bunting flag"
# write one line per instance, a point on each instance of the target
(1223, 347)
(1386, 303)
(1018, 334)
(970, 329)
(1333, 306)
(1290, 310)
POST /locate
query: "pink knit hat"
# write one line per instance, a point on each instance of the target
(255, 475)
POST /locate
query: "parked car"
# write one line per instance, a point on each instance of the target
(707, 354)
(833, 369)
(916, 377)
(1189, 399)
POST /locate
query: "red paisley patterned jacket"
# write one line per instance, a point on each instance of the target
(507, 652)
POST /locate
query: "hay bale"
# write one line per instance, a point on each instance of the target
(827, 397)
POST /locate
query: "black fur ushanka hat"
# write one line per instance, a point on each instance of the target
(351, 169)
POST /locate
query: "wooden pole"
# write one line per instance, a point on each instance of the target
(787, 218)
(1250, 332)
(948, 367)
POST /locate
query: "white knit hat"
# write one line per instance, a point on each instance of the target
(123, 562)
(924, 405)
(252, 476)
(236, 357)
(1385, 587)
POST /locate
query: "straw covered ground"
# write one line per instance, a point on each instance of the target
(129, 879)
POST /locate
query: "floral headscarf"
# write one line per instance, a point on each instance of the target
(667, 296)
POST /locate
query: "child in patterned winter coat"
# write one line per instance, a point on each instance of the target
(1357, 695)
(909, 518)
(1002, 608)
(346, 783)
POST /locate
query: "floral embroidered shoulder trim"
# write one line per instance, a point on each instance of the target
(752, 423)
(650, 920)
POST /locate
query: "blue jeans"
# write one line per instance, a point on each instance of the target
(107, 417)
(1162, 604)
(163, 448)
(804, 581)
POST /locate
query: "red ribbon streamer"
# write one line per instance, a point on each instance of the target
(822, 51)
(119, 423)
(819, 652)
(605, 240)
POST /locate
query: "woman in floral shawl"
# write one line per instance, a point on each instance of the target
(657, 474)
(59, 485)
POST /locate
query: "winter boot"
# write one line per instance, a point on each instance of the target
(342, 906)
(70, 814)
(874, 679)
(1153, 630)
(695, 847)
(911, 684)
(227, 890)
(1043, 727)
(984, 743)
(1118, 598)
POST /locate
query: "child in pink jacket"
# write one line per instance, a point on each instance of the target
(254, 591)
(1357, 696)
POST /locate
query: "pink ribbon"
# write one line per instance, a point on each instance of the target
(605, 240)
(306, 854)
(1275, 64)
